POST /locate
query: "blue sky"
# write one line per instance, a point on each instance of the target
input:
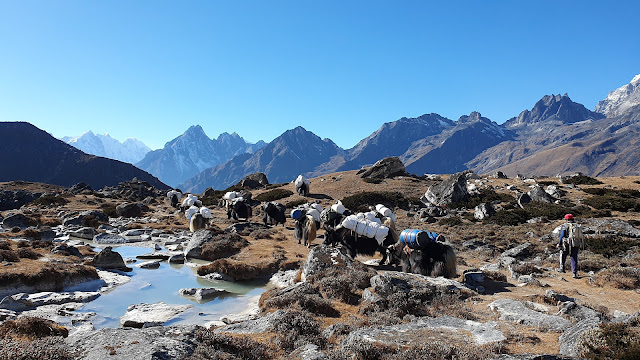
(150, 69)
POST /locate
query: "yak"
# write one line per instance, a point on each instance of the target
(357, 244)
(198, 222)
(305, 229)
(273, 213)
(239, 209)
(433, 259)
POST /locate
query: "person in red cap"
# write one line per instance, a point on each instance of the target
(571, 239)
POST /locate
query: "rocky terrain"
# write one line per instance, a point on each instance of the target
(508, 301)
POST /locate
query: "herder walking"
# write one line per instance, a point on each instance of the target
(571, 239)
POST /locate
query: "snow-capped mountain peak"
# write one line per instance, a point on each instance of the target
(131, 150)
(620, 100)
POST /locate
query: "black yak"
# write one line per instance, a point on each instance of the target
(358, 244)
(239, 209)
(273, 213)
(433, 259)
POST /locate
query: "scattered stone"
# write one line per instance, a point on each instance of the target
(391, 282)
(134, 232)
(158, 255)
(523, 199)
(609, 226)
(106, 238)
(171, 342)
(131, 210)
(254, 181)
(484, 211)
(147, 315)
(432, 211)
(385, 168)
(453, 189)
(177, 258)
(538, 194)
(254, 326)
(66, 250)
(245, 227)
(516, 311)
(420, 330)
(19, 220)
(153, 264)
(84, 233)
(24, 301)
(520, 251)
(15, 199)
(7, 315)
(108, 259)
(570, 339)
(500, 175)
(308, 352)
(555, 191)
(80, 188)
(203, 293)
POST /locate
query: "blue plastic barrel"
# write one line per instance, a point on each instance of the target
(296, 214)
(414, 238)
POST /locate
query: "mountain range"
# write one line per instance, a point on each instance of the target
(131, 150)
(557, 135)
(32, 154)
(193, 152)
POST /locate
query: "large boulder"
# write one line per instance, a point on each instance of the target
(254, 181)
(609, 227)
(23, 301)
(385, 168)
(417, 331)
(106, 238)
(160, 342)
(555, 191)
(570, 339)
(198, 239)
(392, 282)
(484, 211)
(201, 294)
(147, 315)
(87, 233)
(516, 311)
(85, 218)
(323, 257)
(451, 190)
(18, 220)
(538, 194)
(14, 199)
(108, 259)
(80, 188)
(131, 209)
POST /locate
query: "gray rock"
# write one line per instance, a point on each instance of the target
(23, 301)
(431, 211)
(66, 250)
(391, 282)
(323, 257)
(500, 175)
(245, 227)
(7, 315)
(453, 189)
(83, 233)
(555, 191)
(15, 199)
(158, 255)
(147, 315)
(385, 168)
(177, 258)
(519, 251)
(133, 232)
(172, 342)
(254, 181)
(84, 217)
(570, 339)
(203, 293)
(420, 330)
(199, 238)
(516, 311)
(255, 326)
(106, 238)
(152, 264)
(538, 194)
(17, 220)
(484, 211)
(108, 259)
(523, 199)
(609, 226)
(308, 352)
(131, 209)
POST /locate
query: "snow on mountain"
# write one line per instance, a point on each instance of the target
(620, 100)
(131, 150)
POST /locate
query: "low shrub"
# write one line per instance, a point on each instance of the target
(526, 269)
(297, 328)
(222, 246)
(433, 349)
(238, 270)
(273, 186)
(362, 200)
(5, 245)
(484, 196)
(57, 274)
(532, 210)
(372, 180)
(621, 278)
(273, 195)
(261, 234)
(496, 276)
(9, 255)
(304, 297)
(609, 246)
(42, 244)
(48, 348)
(23, 244)
(612, 202)
(218, 346)
(625, 193)
(27, 253)
(109, 210)
(610, 341)
(292, 204)
(49, 200)
(343, 285)
(450, 221)
(581, 180)
(32, 327)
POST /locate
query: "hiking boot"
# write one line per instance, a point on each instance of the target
(575, 275)
(560, 270)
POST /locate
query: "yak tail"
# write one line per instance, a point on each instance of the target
(450, 267)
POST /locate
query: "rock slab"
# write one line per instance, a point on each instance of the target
(147, 315)
(516, 311)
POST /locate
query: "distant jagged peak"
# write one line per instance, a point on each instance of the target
(553, 108)
(620, 100)
(430, 119)
(474, 116)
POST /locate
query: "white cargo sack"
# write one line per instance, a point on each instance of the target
(188, 201)
(381, 234)
(301, 180)
(338, 207)
(371, 229)
(315, 214)
(350, 222)
(385, 211)
(231, 195)
(206, 213)
(190, 212)
(371, 216)
(178, 194)
(316, 206)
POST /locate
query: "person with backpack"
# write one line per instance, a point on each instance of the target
(571, 239)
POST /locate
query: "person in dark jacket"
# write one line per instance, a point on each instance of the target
(569, 243)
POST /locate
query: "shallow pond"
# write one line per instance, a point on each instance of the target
(163, 284)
